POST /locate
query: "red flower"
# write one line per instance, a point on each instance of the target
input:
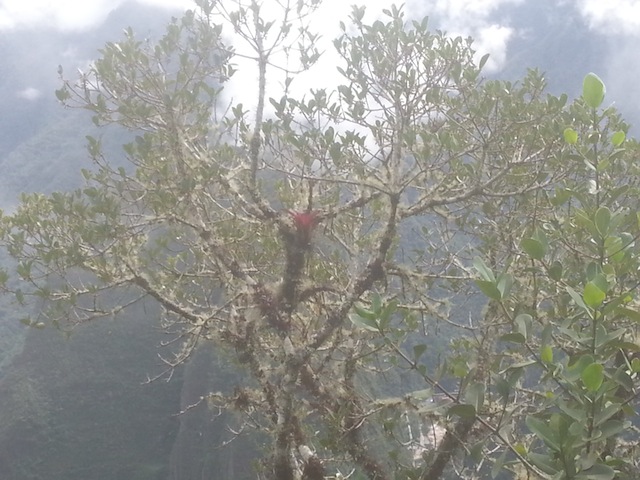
(304, 221)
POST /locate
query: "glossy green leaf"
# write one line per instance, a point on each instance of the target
(617, 138)
(593, 296)
(593, 90)
(570, 136)
(593, 376)
(546, 354)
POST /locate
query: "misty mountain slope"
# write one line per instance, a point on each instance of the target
(77, 409)
(30, 60)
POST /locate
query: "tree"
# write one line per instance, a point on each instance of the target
(323, 243)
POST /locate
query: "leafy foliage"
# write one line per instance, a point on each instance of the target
(322, 243)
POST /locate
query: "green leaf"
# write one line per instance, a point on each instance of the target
(513, 338)
(614, 249)
(523, 324)
(593, 376)
(623, 379)
(474, 394)
(503, 388)
(364, 323)
(489, 289)
(543, 462)
(611, 428)
(546, 354)
(476, 451)
(484, 271)
(603, 221)
(593, 90)
(577, 298)
(376, 303)
(606, 413)
(617, 138)
(387, 312)
(498, 465)
(629, 313)
(483, 61)
(536, 246)
(570, 136)
(533, 248)
(364, 313)
(543, 432)
(593, 296)
(578, 414)
(63, 94)
(463, 410)
(574, 370)
(505, 282)
(555, 271)
(599, 471)
(418, 350)
(600, 280)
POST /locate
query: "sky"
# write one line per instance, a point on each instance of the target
(614, 16)
(617, 20)
(458, 17)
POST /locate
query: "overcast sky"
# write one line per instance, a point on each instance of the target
(616, 20)
(466, 17)
(614, 16)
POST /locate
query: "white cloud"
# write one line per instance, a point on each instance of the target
(325, 22)
(620, 17)
(67, 14)
(473, 18)
(29, 93)
(63, 14)
(493, 39)
(457, 17)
